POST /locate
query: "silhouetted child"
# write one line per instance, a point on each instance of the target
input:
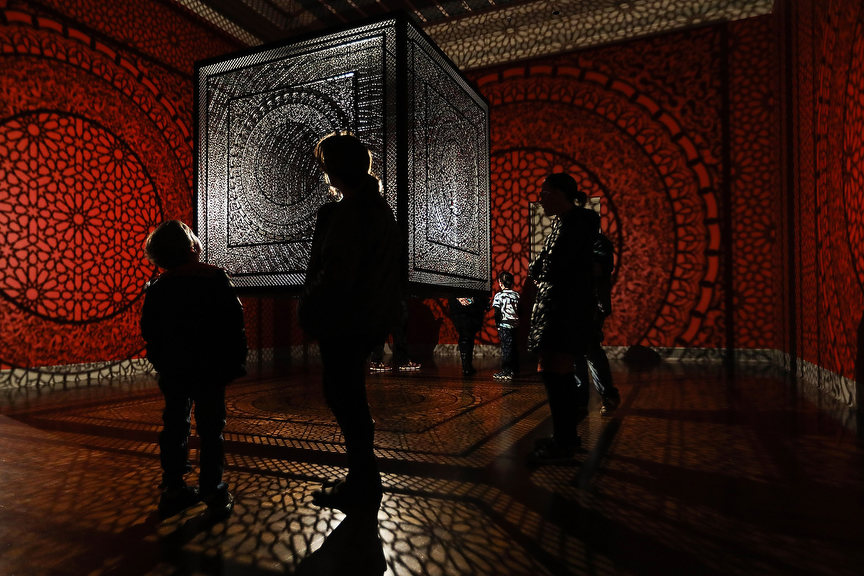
(506, 306)
(192, 323)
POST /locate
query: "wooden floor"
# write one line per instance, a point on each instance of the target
(696, 473)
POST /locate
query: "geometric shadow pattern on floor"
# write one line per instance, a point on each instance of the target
(695, 474)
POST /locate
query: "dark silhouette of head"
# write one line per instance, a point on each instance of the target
(566, 184)
(172, 244)
(506, 280)
(558, 194)
(344, 159)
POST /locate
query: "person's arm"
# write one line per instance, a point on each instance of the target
(602, 289)
(312, 307)
(150, 323)
(236, 344)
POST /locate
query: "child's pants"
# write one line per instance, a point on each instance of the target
(208, 399)
(509, 362)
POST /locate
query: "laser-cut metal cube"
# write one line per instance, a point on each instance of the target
(259, 115)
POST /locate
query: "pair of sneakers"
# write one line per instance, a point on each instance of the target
(379, 367)
(220, 502)
(503, 375)
(548, 451)
(385, 367)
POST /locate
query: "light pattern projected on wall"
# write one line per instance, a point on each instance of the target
(260, 115)
(50, 159)
(652, 159)
(831, 227)
(755, 124)
(94, 151)
(853, 150)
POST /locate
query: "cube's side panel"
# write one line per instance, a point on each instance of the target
(259, 117)
(448, 184)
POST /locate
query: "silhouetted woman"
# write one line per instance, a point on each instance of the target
(350, 300)
(561, 320)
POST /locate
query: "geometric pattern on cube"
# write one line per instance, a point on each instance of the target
(261, 113)
(449, 231)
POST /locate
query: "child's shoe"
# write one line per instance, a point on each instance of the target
(175, 500)
(503, 375)
(220, 503)
(379, 367)
(409, 366)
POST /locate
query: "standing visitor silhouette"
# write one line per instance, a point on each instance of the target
(562, 316)
(350, 300)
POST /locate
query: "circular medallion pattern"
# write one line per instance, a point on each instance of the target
(75, 208)
(96, 150)
(656, 193)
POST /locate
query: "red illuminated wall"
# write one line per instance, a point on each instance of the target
(826, 50)
(95, 148)
(758, 248)
(671, 133)
(689, 139)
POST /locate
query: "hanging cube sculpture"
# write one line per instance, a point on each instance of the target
(260, 114)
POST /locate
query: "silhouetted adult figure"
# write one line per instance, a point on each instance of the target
(602, 266)
(562, 317)
(350, 300)
(467, 315)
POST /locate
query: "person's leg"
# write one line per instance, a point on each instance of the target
(598, 365)
(506, 337)
(601, 374)
(174, 448)
(174, 436)
(466, 352)
(581, 392)
(514, 350)
(562, 394)
(400, 338)
(344, 380)
(377, 357)
(400, 348)
(210, 424)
